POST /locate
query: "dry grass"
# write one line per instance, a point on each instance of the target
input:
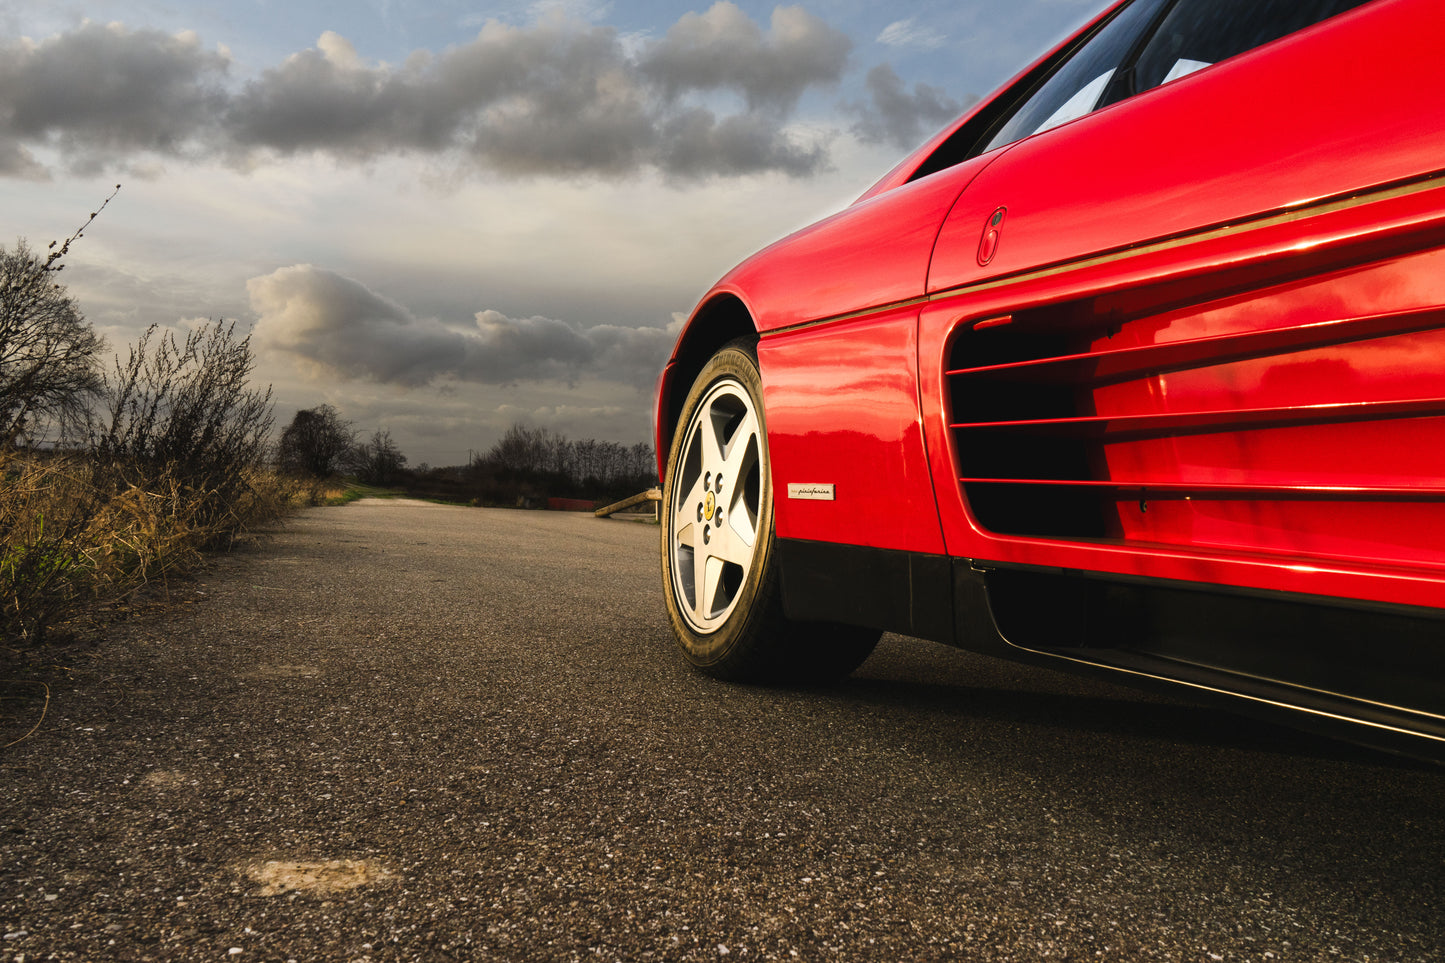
(69, 545)
(308, 492)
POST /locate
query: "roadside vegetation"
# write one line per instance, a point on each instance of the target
(113, 478)
(119, 475)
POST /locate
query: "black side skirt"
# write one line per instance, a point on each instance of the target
(1371, 673)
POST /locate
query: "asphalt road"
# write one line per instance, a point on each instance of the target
(406, 731)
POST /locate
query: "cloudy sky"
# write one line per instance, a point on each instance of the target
(446, 216)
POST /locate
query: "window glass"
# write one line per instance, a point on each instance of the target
(1197, 33)
(1183, 67)
(1119, 61)
(1074, 90)
(1079, 104)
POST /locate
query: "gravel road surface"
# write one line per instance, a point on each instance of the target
(403, 731)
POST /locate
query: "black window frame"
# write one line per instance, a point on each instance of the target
(969, 140)
(973, 138)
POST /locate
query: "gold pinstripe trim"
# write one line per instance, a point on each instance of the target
(851, 315)
(1315, 209)
(1335, 716)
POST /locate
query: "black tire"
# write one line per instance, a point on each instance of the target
(719, 562)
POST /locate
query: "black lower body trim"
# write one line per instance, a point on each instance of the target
(1380, 666)
(1370, 673)
(904, 592)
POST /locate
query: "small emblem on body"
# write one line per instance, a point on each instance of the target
(811, 490)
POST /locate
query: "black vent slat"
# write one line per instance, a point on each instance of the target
(1037, 457)
(1111, 365)
(1132, 490)
(1125, 427)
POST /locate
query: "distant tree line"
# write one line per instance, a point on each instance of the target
(528, 465)
(524, 467)
(538, 452)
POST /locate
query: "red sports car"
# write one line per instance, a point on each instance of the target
(1138, 367)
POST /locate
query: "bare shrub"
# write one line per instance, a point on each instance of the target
(175, 463)
(184, 411)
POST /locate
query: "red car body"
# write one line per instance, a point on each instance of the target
(1158, 391)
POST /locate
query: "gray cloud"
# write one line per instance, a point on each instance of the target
(325, 97)
(697, 143)
(892, 115)
(559, 97)
(336, 327)
(724, 49)
(16, 161)
(99, 92)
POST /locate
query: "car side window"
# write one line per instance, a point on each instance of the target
(1149, 43)
(1076, 88)
(1197, 33)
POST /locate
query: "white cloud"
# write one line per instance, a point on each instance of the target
(586, 10)
(909, 33)
(338, 51)
(725, 49)
(103, 94)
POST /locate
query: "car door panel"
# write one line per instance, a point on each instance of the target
(1206, 151)
(1192, 311)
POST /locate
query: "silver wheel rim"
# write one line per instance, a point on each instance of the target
(716, 508)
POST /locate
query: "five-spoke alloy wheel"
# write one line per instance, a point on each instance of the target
(716, 505)
(720, 569)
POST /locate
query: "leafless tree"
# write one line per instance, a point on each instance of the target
(316, 443)
(49, 354)
(379, 461)
(523, 449)
(640, 461)
(585, 462)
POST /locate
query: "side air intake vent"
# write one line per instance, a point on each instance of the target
(1266, 422)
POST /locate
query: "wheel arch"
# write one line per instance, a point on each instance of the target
(720, 319)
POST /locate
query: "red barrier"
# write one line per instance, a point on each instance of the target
(570, 505)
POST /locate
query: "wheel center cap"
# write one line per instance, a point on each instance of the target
(709, 506)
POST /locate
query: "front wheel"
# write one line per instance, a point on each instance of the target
(720, 570)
